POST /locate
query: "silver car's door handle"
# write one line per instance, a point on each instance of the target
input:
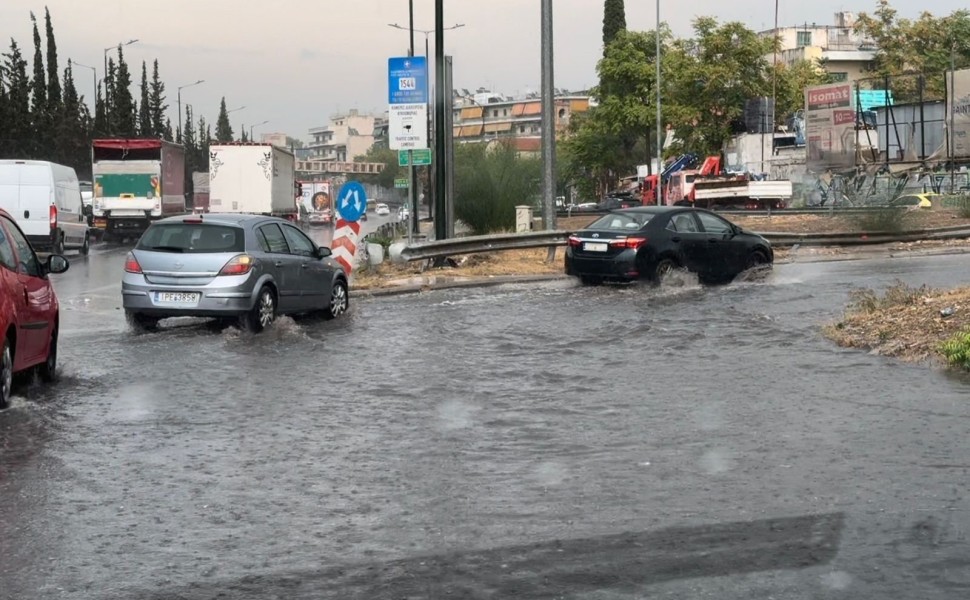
(279, 263)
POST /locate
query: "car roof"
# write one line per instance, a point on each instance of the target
(656, 209)
(237, 219)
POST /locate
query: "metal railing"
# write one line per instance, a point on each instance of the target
(544, 239)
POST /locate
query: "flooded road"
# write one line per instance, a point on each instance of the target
(540, 441)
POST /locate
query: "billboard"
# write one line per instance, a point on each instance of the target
(959, 111)
(830, 118)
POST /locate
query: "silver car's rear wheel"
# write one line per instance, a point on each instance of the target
(339, 300)
(263, 312)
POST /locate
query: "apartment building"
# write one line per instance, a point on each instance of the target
(486, 116)
(345, 137)
(845, 54)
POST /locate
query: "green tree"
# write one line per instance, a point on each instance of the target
(922, 46)
(17, 132)
(388, 158)
(39, 89)
(490, 181)
(144, 107)
(73, 130)
(168, 130)
(53, 79)
(109, 85)
(614, 20)
(223, 127)
(100, 114)
(157, 106)
(791, 81)
(710, 77)
(123, 112)
(619, 133)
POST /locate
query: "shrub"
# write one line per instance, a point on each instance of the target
(489, 183)
(956, 350)
(881, 220)
(896, 295)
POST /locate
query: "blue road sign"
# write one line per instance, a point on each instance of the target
(352, 202)
(407, 80)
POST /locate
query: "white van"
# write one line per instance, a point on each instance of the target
(45, 200)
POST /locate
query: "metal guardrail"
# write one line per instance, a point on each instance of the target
(854, 210)
(544, 239)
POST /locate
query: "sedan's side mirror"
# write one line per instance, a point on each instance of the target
(323, 252)
(57, 264)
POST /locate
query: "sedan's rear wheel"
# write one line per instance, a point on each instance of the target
(664, 267)
(263, 313)
(6, 374)
(86, 248)
(339, 300)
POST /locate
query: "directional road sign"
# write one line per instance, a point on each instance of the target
(420, 157)
(401, 183)
(407, 94)
(407, 80)
(352, 202)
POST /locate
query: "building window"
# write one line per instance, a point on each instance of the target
(804, 39)
(836, 77)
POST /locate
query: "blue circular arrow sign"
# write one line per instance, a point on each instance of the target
(352, 202)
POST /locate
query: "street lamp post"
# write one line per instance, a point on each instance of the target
(228, 112)
(179, 136)
(251, 129)
(660, 144)
(107, 103)
(94, 83)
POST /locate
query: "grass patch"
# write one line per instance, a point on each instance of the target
(881, 220)
(899, 294)
(956, 350)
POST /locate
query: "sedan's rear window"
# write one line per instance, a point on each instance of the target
(192, 238)
(622, 221)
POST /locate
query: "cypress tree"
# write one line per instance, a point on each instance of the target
(53, 81)
(144, 108)
(17, 125)
(223, 127)
(123, 110)
(157, 106)
(614, 20)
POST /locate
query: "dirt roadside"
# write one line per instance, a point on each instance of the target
(907, 323)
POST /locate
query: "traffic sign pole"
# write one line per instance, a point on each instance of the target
(411, 202)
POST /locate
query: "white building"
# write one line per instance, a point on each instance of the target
(344, 138)
(845, 55)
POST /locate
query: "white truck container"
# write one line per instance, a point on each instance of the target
(742, 194)
(45, 200)
(252, 178)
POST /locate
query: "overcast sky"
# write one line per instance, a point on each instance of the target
(295, 62)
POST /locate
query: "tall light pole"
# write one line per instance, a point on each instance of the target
(228, 112)
(179, 135)
(251, 129)
(107, 102)
(548, 125)
(660, 144)
(94, 82)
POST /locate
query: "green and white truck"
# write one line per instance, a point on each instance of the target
(136, 181)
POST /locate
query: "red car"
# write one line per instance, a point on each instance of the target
(28, 308)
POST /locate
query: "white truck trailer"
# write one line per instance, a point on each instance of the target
(254, 179)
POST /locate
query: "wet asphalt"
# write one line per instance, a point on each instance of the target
(525, 441)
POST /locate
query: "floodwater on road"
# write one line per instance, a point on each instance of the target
(525, 441)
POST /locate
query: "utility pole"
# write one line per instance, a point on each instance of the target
(415, 227)
(951, 136)
(548, 126)
(440, 154)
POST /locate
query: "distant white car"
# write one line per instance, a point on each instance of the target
(382, 210)
(403, 214)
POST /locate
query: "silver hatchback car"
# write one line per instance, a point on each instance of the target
(229, 266)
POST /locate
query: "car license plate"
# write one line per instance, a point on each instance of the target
(595, 247)
(177, 297)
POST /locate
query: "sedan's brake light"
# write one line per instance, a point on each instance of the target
(131, 264)
(238, 265)
(633, 243)
(574, 241)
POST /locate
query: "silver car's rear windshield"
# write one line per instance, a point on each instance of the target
(621, 221)
(192, 238)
